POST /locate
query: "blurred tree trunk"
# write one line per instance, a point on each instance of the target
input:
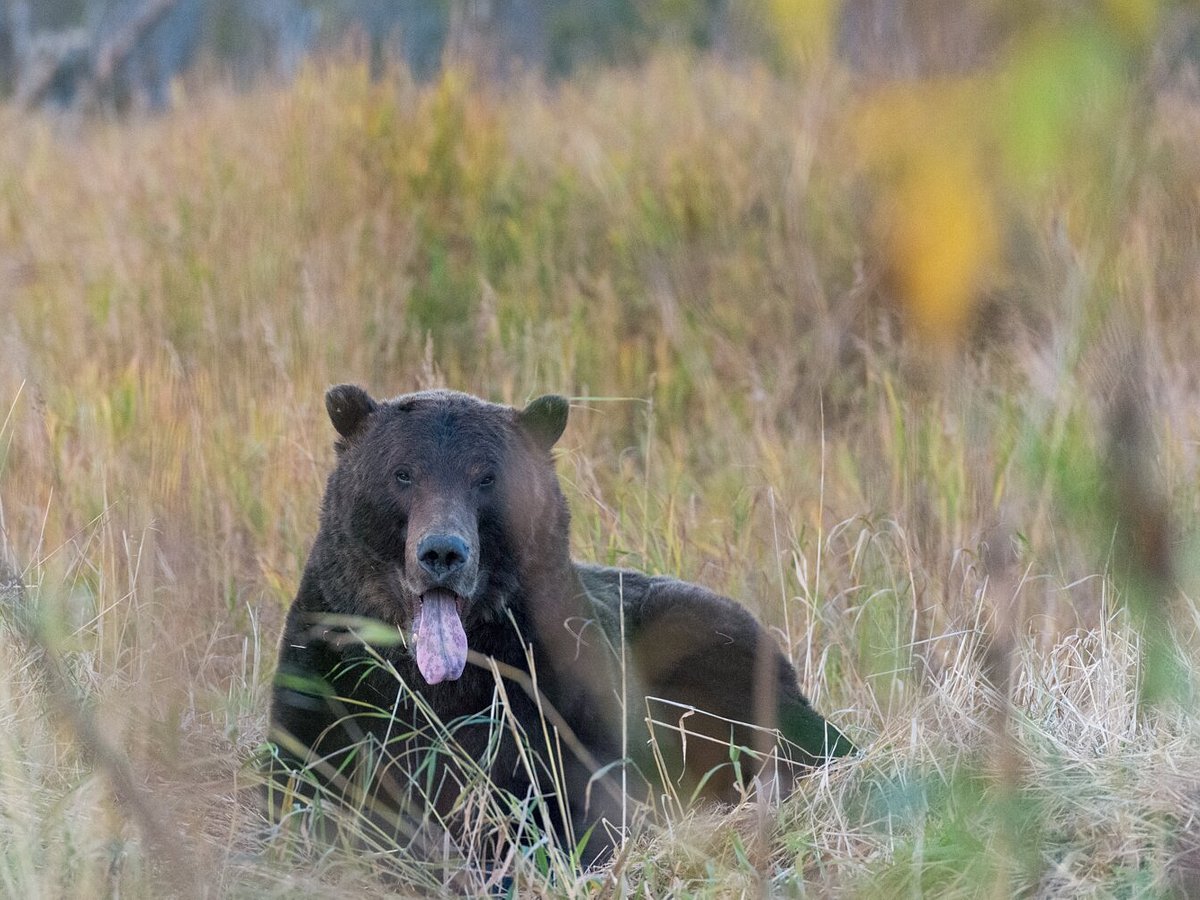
(8, 60)
(920, 38)
(499, 37)
(82, 63)
(14, 36)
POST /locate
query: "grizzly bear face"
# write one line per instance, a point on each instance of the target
(447, 501)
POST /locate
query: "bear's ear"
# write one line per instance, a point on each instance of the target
(544, 419)
(348, 406)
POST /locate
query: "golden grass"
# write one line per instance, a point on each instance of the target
(685, 249)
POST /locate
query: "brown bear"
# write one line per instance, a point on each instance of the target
(442, 637)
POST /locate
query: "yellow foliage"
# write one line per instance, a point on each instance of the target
(1136, 19)
(935, 216)
(940, 239)
(803, 28)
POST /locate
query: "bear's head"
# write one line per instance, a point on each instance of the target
(452, 503)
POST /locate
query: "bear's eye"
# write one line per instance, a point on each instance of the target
(487, 480)
(404, 476)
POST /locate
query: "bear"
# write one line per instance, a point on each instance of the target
(443, 637)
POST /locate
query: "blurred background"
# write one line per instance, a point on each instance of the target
(119, 53)
(877, 315)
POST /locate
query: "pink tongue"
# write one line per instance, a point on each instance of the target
(439, 638)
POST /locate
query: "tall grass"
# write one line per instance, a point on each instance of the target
(689, 250)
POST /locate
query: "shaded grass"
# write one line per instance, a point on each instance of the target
(683, 249)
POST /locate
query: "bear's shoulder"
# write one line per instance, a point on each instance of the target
(656, 599)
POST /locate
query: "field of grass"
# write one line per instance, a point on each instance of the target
(971, 523)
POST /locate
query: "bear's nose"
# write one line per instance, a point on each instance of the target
(442, 555)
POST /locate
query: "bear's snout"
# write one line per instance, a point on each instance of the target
(443, 556)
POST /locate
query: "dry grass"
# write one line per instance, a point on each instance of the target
(688, 250)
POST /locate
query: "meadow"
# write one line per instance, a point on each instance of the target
(920, 394)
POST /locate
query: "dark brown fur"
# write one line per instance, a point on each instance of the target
(443, 463)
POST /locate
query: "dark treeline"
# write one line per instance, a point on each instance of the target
(125, 53)
(122, 52)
